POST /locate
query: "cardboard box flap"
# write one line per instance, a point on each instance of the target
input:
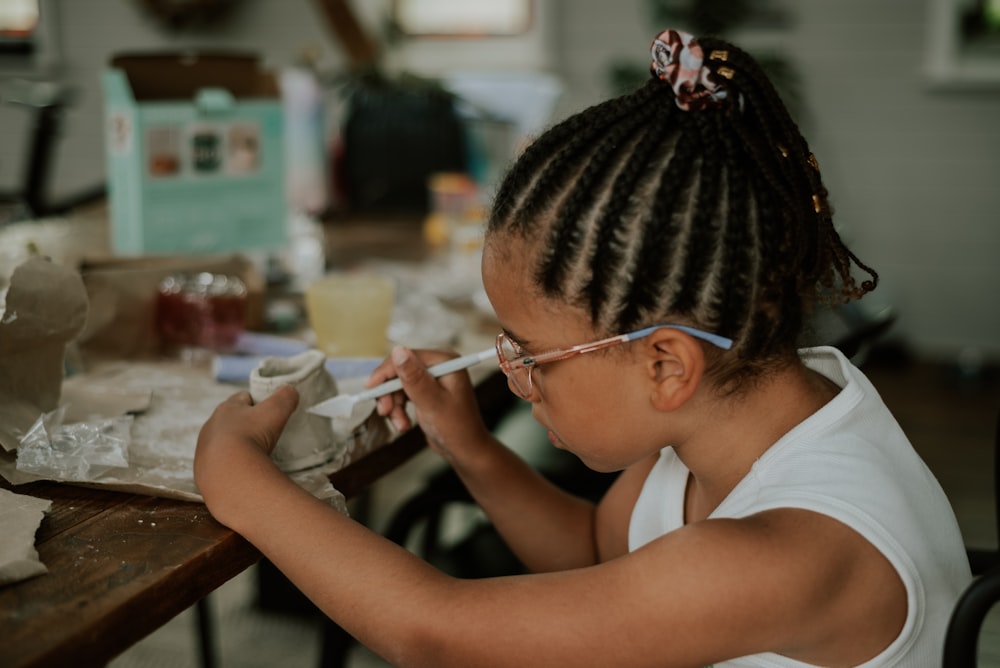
(180, 75)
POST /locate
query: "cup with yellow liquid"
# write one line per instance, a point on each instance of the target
(350, 313)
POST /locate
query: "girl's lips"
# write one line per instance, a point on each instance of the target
(554, 440)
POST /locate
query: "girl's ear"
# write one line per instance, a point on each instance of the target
(675, 363)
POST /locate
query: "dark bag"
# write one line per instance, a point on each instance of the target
(396, 134)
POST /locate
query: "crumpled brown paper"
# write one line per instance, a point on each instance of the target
(123, 294)
(46, 308)
(20, 516)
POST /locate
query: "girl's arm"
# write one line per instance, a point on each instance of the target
(786, 580)
(547, 528)
(355, 576)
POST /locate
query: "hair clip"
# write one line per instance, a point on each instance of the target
(784, 151)
(718, 54)
(813, 162)
(726, 72)
(678, 60)
(817, 204)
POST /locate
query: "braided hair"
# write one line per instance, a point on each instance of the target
(670, 205)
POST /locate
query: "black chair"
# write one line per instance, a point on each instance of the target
(961, 643)
(981, 560)
(863, 331)
(480, 553)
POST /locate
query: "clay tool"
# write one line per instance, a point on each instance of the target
(344, 406)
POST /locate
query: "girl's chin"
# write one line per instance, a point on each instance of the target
(599, 466)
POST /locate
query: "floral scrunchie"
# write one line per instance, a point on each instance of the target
(678, 60)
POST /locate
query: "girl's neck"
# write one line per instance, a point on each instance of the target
(742, 429)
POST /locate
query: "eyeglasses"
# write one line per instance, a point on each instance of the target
(517, 365)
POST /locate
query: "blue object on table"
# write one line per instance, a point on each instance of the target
(237, 368)
(268, 345)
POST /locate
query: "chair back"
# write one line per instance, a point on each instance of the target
(961, 643)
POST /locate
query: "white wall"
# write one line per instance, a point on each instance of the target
(912, 172)
(91, 31)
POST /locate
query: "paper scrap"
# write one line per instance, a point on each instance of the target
(20, 516)
(46, 308)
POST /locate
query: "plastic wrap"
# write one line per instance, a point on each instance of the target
(81, 451)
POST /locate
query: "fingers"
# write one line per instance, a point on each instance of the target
(241, 398)
(275, 411)
(393, 406)
(419, 385)
(270, 415)
(431, 395)
(284, 399)
(413, 373)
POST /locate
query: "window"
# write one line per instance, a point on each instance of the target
(964, 43)
(470, 18)
(18, 24)
(27, 31)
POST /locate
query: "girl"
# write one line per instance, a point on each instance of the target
(651, 260)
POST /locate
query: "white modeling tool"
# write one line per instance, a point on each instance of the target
(345, 406)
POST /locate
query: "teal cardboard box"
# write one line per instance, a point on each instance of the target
(195, 153)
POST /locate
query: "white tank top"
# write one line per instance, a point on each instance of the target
(851, 461)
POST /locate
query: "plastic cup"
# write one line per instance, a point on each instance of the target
(350, 313)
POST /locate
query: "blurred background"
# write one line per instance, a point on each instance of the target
(899, 99)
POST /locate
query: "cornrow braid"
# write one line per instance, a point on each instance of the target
(600, 165)
(608, 253)
(511, 201)
(679, 204)
(740, 268)
(704, 218)
(661, 235)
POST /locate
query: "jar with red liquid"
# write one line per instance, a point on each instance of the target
(200, 314)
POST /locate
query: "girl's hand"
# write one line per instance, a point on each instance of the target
(234, 447)
(445, 407)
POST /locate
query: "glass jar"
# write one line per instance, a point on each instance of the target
(200, 314)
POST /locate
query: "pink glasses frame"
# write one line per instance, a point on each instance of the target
(512, 366)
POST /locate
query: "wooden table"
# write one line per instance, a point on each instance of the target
(121, 565)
